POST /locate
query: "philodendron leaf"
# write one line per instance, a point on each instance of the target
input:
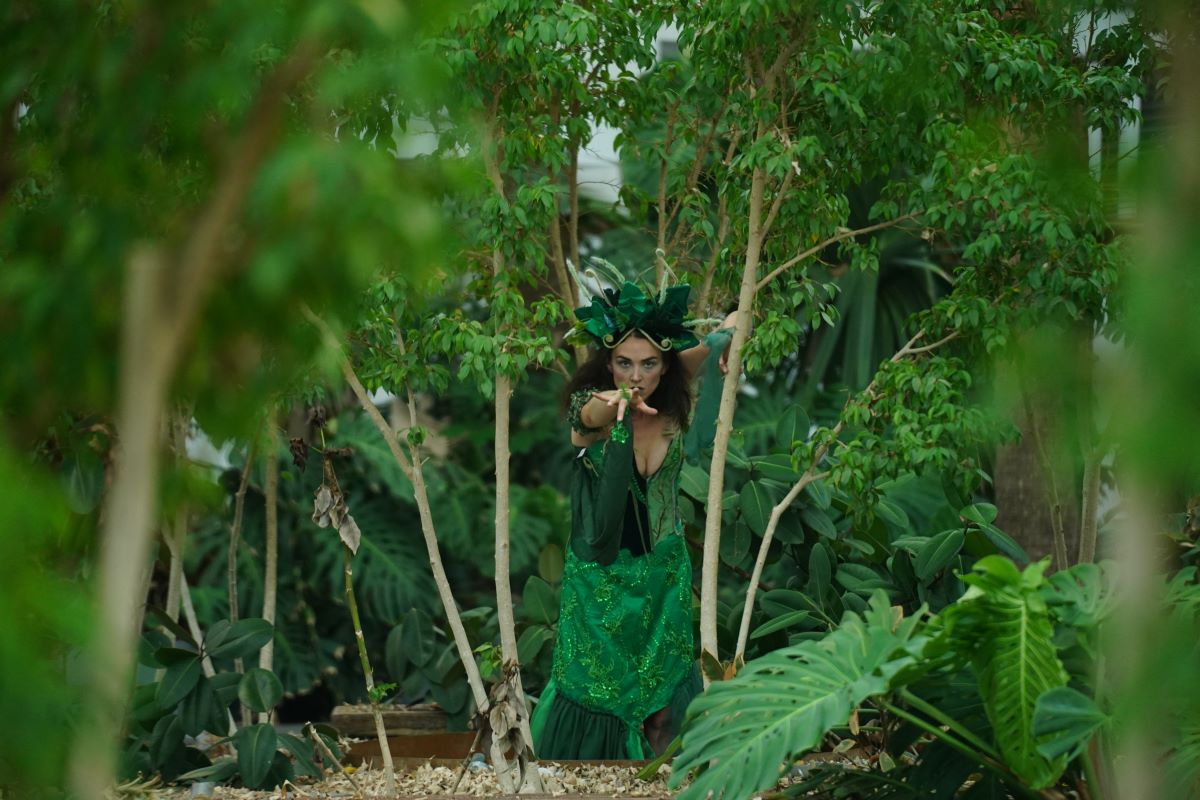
(417, 637)
(260, 690)
(1003, 622)
(256, 752)
(742, 734)
(1064, 721)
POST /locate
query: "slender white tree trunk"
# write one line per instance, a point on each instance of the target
(128, 528)
(266, 656)
(176, 536)
(716, 482)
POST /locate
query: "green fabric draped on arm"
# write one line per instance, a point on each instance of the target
(598, 505)
(703, 429)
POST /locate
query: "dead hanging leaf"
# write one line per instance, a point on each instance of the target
(503, 719)
(349, 532)
(329, 510)
(854, 729)
(322, 507)
(299, 449)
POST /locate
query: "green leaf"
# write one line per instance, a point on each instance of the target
(530, 645)
(735, 545)
(792, 427)
(892, 513)
(550, 563)
(179, 679)
(742, 734)
(157, 616)
(820, 572)
(694, 482)
(540, 601)
(779, 623)
(756, 505)
(418, 637)
(395, 655)
(304, 751)
(1064, 721)
(143, 706)
(776, 467)
(260, 690)
(1079, 596)
(225, 685)
(819, 521)
(199, 710)
(935, 554)
(242, 639)
(166, 741)
(783, 601)
(219, 771)
(1003, 622)
(83, 476)
(980, 513)
(255, 747)
(1004, 543)
(818, 492)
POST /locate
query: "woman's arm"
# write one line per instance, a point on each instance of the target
(693, 357)
(599, 411)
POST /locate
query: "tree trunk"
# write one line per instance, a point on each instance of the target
(266, 657)
(176, 535)
(389, 770)
(128, 528)
(1024, 496)
(716, 481)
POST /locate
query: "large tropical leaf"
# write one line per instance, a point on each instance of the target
(1003, 623)
(741, 735)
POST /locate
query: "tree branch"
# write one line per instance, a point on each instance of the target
(847, 234)
(200, 259)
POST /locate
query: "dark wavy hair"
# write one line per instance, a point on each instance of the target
(672, 397)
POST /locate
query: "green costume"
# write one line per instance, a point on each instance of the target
(624, 649)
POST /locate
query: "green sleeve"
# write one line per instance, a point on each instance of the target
(598, 500)
(703, 428)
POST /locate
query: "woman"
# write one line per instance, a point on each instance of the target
(623, 665)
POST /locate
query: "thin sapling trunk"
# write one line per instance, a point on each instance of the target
(330, 510)
(266, 657)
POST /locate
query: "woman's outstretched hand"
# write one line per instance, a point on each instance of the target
(624, 399)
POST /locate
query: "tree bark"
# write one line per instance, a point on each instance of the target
(716, 482)
(128, 527)
(1027, 484)
(176, 536)
(266, 656)
(385, 750)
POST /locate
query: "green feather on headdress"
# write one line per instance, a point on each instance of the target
(613, 314)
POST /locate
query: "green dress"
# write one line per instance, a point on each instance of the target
(624, 648)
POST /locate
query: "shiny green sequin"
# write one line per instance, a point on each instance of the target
(575, 412)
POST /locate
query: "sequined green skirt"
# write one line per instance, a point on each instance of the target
(623, 652)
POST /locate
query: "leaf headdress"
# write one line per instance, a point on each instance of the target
(613, 314)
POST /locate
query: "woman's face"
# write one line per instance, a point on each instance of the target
(637, 364)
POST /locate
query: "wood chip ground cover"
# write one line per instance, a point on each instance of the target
(431, 781)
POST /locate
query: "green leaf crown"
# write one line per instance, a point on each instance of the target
(614, 314)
